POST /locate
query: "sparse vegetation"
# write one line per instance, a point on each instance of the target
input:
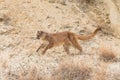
(33, 74)
(107, 54)
(5, 19)
(100, 73)
(21, 19)
(71, 70)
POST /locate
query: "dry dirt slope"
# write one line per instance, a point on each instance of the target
(17, 41)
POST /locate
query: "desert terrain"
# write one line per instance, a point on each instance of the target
(21, 19)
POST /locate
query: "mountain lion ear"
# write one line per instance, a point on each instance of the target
(39, 31)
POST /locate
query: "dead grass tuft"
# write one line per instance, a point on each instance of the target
(107, 54)
(32, 75)
(5, 19)
(100, 73)
(5, 64)
(72, 71)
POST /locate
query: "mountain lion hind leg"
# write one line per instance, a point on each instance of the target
(75, 43)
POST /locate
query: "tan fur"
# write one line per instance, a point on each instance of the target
(63, 38)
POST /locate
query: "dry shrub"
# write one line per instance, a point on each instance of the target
(100, 73)
(107, 54)
(32, 75)
(63, 2)
(71, 70)
(5, 19)
(5, 64)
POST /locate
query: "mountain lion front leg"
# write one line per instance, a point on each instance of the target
(38, 48)
(41, 46)
(50, 45)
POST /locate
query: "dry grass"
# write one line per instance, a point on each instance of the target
(33, 74)
(107, 54)
(4, 64)
(72, 71)
(5, 19)
(100, 73)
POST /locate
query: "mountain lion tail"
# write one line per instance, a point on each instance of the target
(89, 36)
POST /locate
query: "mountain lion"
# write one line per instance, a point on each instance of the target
(65, 38)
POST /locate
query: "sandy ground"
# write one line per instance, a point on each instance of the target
(18, 44)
